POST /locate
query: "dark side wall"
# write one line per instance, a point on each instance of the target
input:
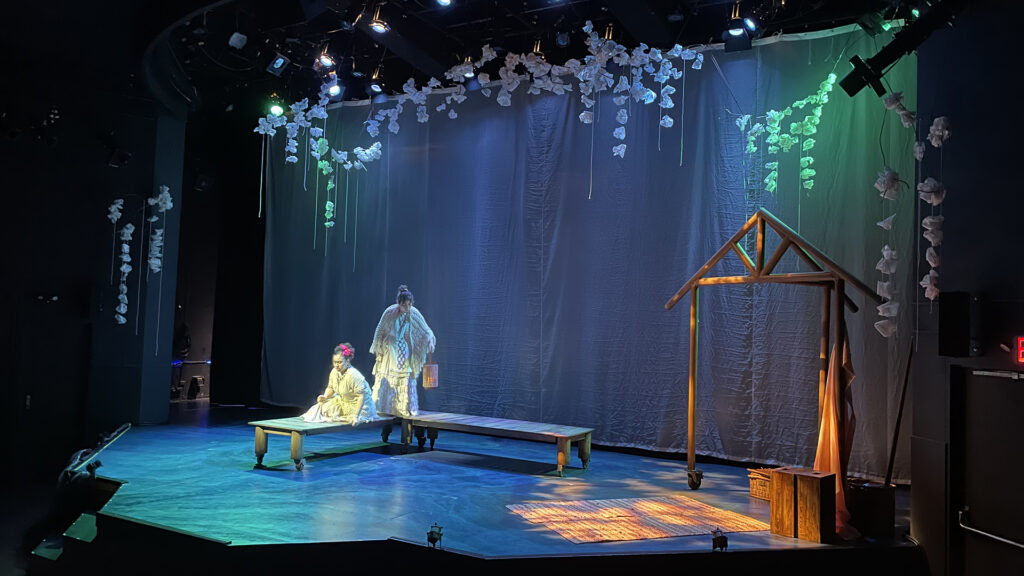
(82, 60)
(963, 74)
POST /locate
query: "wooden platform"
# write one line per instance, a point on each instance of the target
(297, 429)
(426, 424)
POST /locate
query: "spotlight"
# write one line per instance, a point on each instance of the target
(375, 85)
(278, 64)
(434, 535)
(377, 25)
(444, 3)
(470, 73)
(905, 41)
(323, 62)
(275, 107)
(736, 36)
(562, 39)
(751, 23)
(334, 90)
(872, 23)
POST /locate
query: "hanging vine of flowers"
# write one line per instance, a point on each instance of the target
(799, 134)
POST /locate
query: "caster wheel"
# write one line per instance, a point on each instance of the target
(693, 478)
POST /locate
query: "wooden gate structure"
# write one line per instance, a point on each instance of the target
(825, 273)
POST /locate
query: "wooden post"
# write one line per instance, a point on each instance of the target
(563, 453)
(759, 255)
(691, 414)
(583, 449)
(297, 450)
(261, 444)
(826, 307)
(838, 341)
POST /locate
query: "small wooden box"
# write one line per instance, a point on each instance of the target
(783, 501)
(816, 505)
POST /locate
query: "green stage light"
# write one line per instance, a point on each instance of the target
(276, 109)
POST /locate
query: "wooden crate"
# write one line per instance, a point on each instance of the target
(760, 483)
(816, 505)
(783, 501)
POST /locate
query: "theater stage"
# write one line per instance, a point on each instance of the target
(191, 492)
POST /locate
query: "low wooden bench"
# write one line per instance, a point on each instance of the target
(297, 429)
(426, 424)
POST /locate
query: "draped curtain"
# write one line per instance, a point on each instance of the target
(543, 263)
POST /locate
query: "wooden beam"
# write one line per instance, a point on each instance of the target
(826, 308)
(776, 257)
(815, 254)
(744, 258)
(759, 254)
(707, 265)
(795, 278)
(691, 411)
(838, 341)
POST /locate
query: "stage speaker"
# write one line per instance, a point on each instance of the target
(960, 325)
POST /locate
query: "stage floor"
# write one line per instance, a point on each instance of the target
(199, 476)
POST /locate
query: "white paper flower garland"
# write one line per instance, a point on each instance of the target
(114, 214)
(933, 192)
(126, 267)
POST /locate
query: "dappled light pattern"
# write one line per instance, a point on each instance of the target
(582, 521)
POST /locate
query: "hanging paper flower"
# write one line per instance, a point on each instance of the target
(162, 201)
(887, 223)
(156, 249)
(886, 327)
(698, 62)
(587, 117)
(622, 116)
(888, 183)
(939, 131)
(619, 151)
(883, 289)
(620, 133)
(930, 283)
(316, 132)
(893, 100)
(931, 191)
(666, 121)
(932, 257)
(114, 210)
(887, 265)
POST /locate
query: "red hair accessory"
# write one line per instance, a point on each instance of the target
(346, 351)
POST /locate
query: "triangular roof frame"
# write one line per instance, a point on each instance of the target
(825, 270)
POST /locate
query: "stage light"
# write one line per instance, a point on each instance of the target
(237, 40)
(334, 90)
(915, 13)
(751, 23)
(375, 85)
(469, 73)
(326, 61)
(276, 110)
(434, 535)
(278, 64)
(905, 41)
(377, 25)
(444, 3)
(562, 39)
(736, 36)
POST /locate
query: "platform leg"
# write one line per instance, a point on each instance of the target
(297, 449)
(432, 435)
(421, 436)
(385, 432)
(563, 454)
(261, 445)
(584, 450)
(406, 432)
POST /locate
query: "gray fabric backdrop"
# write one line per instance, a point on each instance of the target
(548, 305)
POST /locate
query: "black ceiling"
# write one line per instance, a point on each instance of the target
(426, 39)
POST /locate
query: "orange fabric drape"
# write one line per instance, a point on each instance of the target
(833, 453)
